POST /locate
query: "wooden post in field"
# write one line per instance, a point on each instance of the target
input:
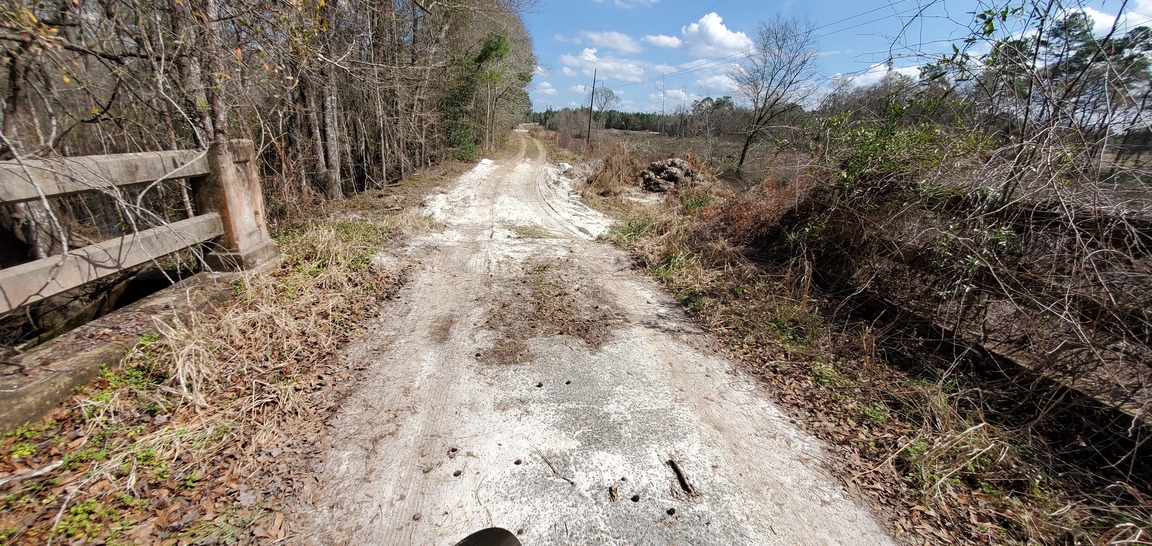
(232, 189)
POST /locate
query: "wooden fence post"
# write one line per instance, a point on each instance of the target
(232, 189)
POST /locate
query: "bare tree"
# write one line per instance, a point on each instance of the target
(775, 76)
(606, 99)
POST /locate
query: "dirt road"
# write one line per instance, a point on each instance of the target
(528, 378)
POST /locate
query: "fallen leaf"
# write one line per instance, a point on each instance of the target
(278, 529)
(142, 533)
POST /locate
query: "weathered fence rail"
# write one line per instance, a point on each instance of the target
(228, 201)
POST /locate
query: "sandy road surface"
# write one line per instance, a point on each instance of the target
(528, 378)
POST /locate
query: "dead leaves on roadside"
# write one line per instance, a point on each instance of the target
(202, 433)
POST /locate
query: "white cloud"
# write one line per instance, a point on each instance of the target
(671, 95)
(661, 40)
(612, 40)
(876, 72)
(579, 88)
(608, 67)
(710, 38)
(567, 71)
(1101, 22)
(545, 88)
(693, 64)
(664, 68)
(1139, 15)
(716, 85)
(540, 71)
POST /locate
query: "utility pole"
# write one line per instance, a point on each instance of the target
(663, 94)
(591, 102)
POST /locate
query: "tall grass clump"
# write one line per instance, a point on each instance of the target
(193, 411)
(618, 171)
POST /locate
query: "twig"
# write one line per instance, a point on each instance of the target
(682, 478)
(554, 471)
(36, 474)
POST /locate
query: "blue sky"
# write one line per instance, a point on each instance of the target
(676, 51)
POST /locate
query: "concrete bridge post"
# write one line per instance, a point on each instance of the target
(232, 189)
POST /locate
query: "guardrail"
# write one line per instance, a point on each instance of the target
(226, 187)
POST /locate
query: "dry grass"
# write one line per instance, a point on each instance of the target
(551, 140)
(522, 231)
(172, 444)
(917, 445)
(748, 217)
(618, 171)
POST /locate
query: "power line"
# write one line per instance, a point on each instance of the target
(869, 12)
(858, 25)
(722, 60)
(706, 65)
(706, 11)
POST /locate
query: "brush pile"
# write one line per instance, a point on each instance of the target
(664, 176)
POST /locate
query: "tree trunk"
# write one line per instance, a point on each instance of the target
(744, 154)
(16, 74)
(317, 135)
(385, 158)
(187, 104)
(334, 187)
(488, 115)
(210, 56)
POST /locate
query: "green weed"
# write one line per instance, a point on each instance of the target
(827, 376)
(877, 412)
(7, 534)
(191, 480)
(104, 396)
(693, 199)
(673, 264)
(86, 455)
(142, 370)
(146, 459)
(21, 450)
(692, 299)
(29, 431)
(85, 520)
(634, 228)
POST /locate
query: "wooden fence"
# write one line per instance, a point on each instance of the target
(228, 201)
